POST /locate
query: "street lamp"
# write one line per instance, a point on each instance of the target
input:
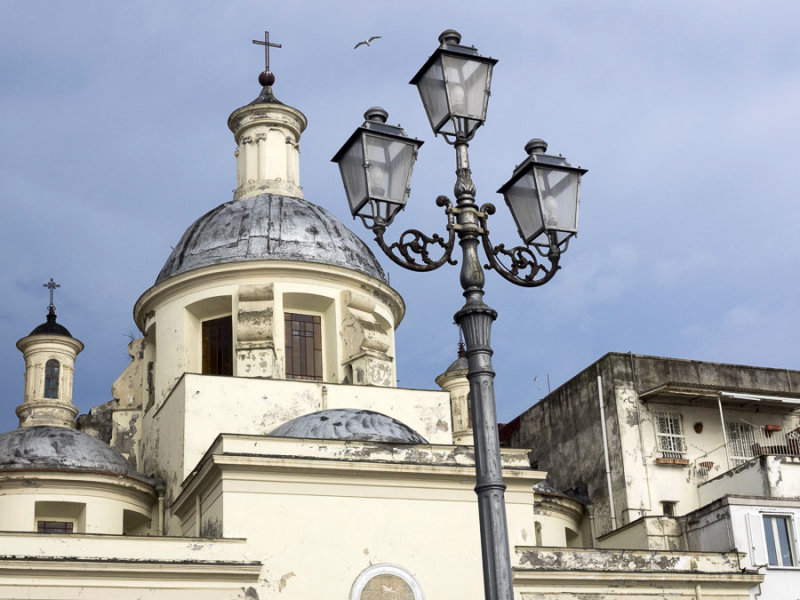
(542, 195)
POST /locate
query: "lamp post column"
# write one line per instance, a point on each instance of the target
(475, 319)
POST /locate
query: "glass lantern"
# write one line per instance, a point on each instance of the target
(376, 164)
(454, 86)
(543, 196)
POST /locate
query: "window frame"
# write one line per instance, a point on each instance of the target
(70, 522)
(773, 543)
(670, 444)
(206, 343)
(668, 508)
(317, 352)
(52, 379)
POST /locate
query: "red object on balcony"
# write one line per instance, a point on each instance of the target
(770, 429)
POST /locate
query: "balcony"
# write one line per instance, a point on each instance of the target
(763, 463)
(758, 441)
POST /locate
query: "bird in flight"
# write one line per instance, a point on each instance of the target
(367, 42)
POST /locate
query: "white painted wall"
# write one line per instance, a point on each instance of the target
(739, 525)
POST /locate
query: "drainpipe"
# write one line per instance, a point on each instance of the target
(724, 433)
(605, 452)
(698, 592)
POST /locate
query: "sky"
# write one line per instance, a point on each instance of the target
(113, 140)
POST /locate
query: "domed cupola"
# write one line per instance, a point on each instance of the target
(56, 479)
(50, 353)
(268, 218)
(269, 284)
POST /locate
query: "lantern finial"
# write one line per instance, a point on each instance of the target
(376, 114)
(450, 36)
(536, 146)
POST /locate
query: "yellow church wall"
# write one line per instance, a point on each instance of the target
(93, 502)
(179, 432)
(98, 567)
(317, 519)
(177, 307)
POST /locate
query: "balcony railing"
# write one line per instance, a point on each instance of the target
(758, 441)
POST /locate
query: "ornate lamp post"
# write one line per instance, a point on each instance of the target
(542, 195)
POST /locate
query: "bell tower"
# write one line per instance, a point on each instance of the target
(50, 352)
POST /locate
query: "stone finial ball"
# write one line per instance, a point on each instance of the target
(266, 78)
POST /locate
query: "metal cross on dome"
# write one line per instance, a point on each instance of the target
(51, 285)
(267, 44)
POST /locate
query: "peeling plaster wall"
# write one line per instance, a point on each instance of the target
(568, 574)
(162, 445)
(768, 476)
(124, 568)
(564, 432)
(648, 533)
(413, 517)
(201, 407)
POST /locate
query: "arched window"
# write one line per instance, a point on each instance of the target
(385, 582)
(51, 373)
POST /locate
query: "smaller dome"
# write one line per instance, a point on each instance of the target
(61, 449)
(50, 327)
(349, 424)
(459, 364)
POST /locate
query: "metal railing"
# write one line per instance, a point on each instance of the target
(753, 442)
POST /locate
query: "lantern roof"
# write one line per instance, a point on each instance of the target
(449, 43)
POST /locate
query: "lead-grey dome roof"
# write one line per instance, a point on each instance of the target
(349, 424)
(50, 327)
(269, 227)
(46, 447)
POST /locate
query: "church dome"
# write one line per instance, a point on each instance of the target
(269, 227)
(349, 424)
(60, 449)
(50, 327)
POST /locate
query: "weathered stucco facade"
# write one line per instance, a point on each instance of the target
(648, 441)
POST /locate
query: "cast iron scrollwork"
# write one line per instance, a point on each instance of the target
(525, 267)
(412, 250)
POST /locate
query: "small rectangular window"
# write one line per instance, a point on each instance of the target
(54, 526)
(218, 346)
(778, 534)
(669, 434)
(303, 346)
(668, 508)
